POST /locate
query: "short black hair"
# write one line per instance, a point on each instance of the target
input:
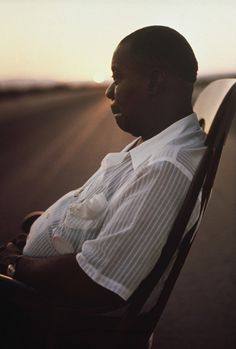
(167, 47)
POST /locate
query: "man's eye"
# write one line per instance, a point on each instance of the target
(115, 78)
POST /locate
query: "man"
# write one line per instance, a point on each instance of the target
(95, 245)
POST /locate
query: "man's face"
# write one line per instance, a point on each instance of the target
(128, 92)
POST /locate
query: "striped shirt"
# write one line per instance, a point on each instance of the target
(119, 221)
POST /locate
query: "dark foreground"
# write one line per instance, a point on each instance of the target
(52, 144)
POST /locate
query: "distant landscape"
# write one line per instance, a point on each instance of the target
(19, 88)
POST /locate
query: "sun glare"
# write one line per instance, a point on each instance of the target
(99, 77)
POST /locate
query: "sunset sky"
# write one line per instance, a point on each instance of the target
(73, 40)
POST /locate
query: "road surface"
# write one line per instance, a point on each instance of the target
(52, 143)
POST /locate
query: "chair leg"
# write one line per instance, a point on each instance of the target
(150, 342)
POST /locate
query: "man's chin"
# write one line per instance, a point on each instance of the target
(121, 121)
(118, 117)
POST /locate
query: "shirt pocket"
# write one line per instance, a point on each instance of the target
(84, 215)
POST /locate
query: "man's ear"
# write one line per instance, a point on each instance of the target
(157, 82)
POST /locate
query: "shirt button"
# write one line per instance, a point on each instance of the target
(77, 192)
(46, 214)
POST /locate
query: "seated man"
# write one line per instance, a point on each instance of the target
(96, 244)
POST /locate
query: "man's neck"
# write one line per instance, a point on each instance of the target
(165, 120)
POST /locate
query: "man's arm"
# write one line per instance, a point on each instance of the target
(62, 278)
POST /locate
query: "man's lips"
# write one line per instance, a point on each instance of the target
(115, 110)
(118, 115)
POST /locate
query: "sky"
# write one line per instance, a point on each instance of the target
(73, 40)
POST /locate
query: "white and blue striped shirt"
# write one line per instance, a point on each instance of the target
(119, 221)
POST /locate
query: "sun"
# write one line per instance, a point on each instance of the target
(99, 77)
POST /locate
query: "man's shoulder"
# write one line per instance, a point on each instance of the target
(169, 153)
(172, 157)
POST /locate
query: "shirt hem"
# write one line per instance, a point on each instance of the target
(101, 279)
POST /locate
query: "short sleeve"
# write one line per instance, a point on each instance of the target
(139, 218)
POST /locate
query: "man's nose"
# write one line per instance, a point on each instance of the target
(110, 91)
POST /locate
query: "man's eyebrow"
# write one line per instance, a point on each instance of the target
(115, 73)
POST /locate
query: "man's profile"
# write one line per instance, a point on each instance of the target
(97, 243)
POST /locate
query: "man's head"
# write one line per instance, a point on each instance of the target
(154, 69)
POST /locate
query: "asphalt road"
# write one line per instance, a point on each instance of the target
(52, 143)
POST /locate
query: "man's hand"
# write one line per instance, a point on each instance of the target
(62, 279)
(6, 254)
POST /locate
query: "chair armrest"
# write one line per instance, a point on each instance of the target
(29, 220)
(10, 287)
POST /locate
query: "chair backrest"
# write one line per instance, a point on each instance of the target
(210, 99)
(217, 105)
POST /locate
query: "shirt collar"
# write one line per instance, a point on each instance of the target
(186, 128)
(181, 128)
